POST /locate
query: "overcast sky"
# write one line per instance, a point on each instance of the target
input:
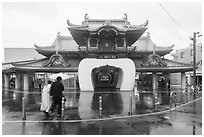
(26, 24)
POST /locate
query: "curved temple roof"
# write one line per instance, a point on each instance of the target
(65, 55)
(95, 24)
(67, 45)
(92, 26)
(71, 45)
(40, 66)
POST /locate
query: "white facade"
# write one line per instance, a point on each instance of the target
(126, 79)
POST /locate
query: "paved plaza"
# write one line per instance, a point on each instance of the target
(180, 117)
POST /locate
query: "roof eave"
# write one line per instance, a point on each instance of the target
(47, 69)
(168, 69)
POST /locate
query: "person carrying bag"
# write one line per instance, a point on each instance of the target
(46, 98)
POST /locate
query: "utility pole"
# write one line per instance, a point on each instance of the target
(194, 60)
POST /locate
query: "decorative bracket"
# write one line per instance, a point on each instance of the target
(56, 60)
(154, 60)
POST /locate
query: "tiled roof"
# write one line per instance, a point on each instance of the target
(42, 62)
(34, 63)
(177, 64)
(68, 45)
(39, 66)
(159, 48)
(96, 24)
(64, 43)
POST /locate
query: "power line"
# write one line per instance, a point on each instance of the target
(174, 19)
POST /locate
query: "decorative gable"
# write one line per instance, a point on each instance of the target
(56, 60)
(154, 60)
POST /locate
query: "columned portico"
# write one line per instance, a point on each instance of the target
(25, 82)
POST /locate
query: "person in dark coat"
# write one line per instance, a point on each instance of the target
(40, 84)
(56, 94)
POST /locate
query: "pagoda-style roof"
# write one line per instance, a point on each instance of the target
(61, 43)
(57, 63)
(101, 38)
(154, 63)
(90, 38)
(67, 45)
(93, 27)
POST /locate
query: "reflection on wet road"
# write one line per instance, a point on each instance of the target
(85, 105)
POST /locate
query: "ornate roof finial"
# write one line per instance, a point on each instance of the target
(57, 44)
(126, 17)
(146, 22)
(86, 17)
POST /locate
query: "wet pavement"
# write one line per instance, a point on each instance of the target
(123, 113)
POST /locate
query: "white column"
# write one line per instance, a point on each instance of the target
(154, 80)
(125, 44)
(88, 43)
(74, 80)
(25, 82)
(6, 81)
(183, 80)
(17, 81)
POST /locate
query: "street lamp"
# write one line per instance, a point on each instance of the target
(194, 59)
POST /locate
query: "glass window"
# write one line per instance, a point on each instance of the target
(182, 55)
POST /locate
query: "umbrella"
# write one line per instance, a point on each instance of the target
(63, 76)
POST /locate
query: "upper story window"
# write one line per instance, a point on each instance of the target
(120, 42)
(93, 42)
(182, 55)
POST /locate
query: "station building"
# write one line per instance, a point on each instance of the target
(100, 43)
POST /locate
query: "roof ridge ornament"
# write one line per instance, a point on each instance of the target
(86, 17)
(146, 23)
(125, 17)
(69, 23)
(139, 26)
(56, 60)
(154, 60)
(57, 43)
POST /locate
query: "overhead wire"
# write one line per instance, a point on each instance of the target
(174, 19)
